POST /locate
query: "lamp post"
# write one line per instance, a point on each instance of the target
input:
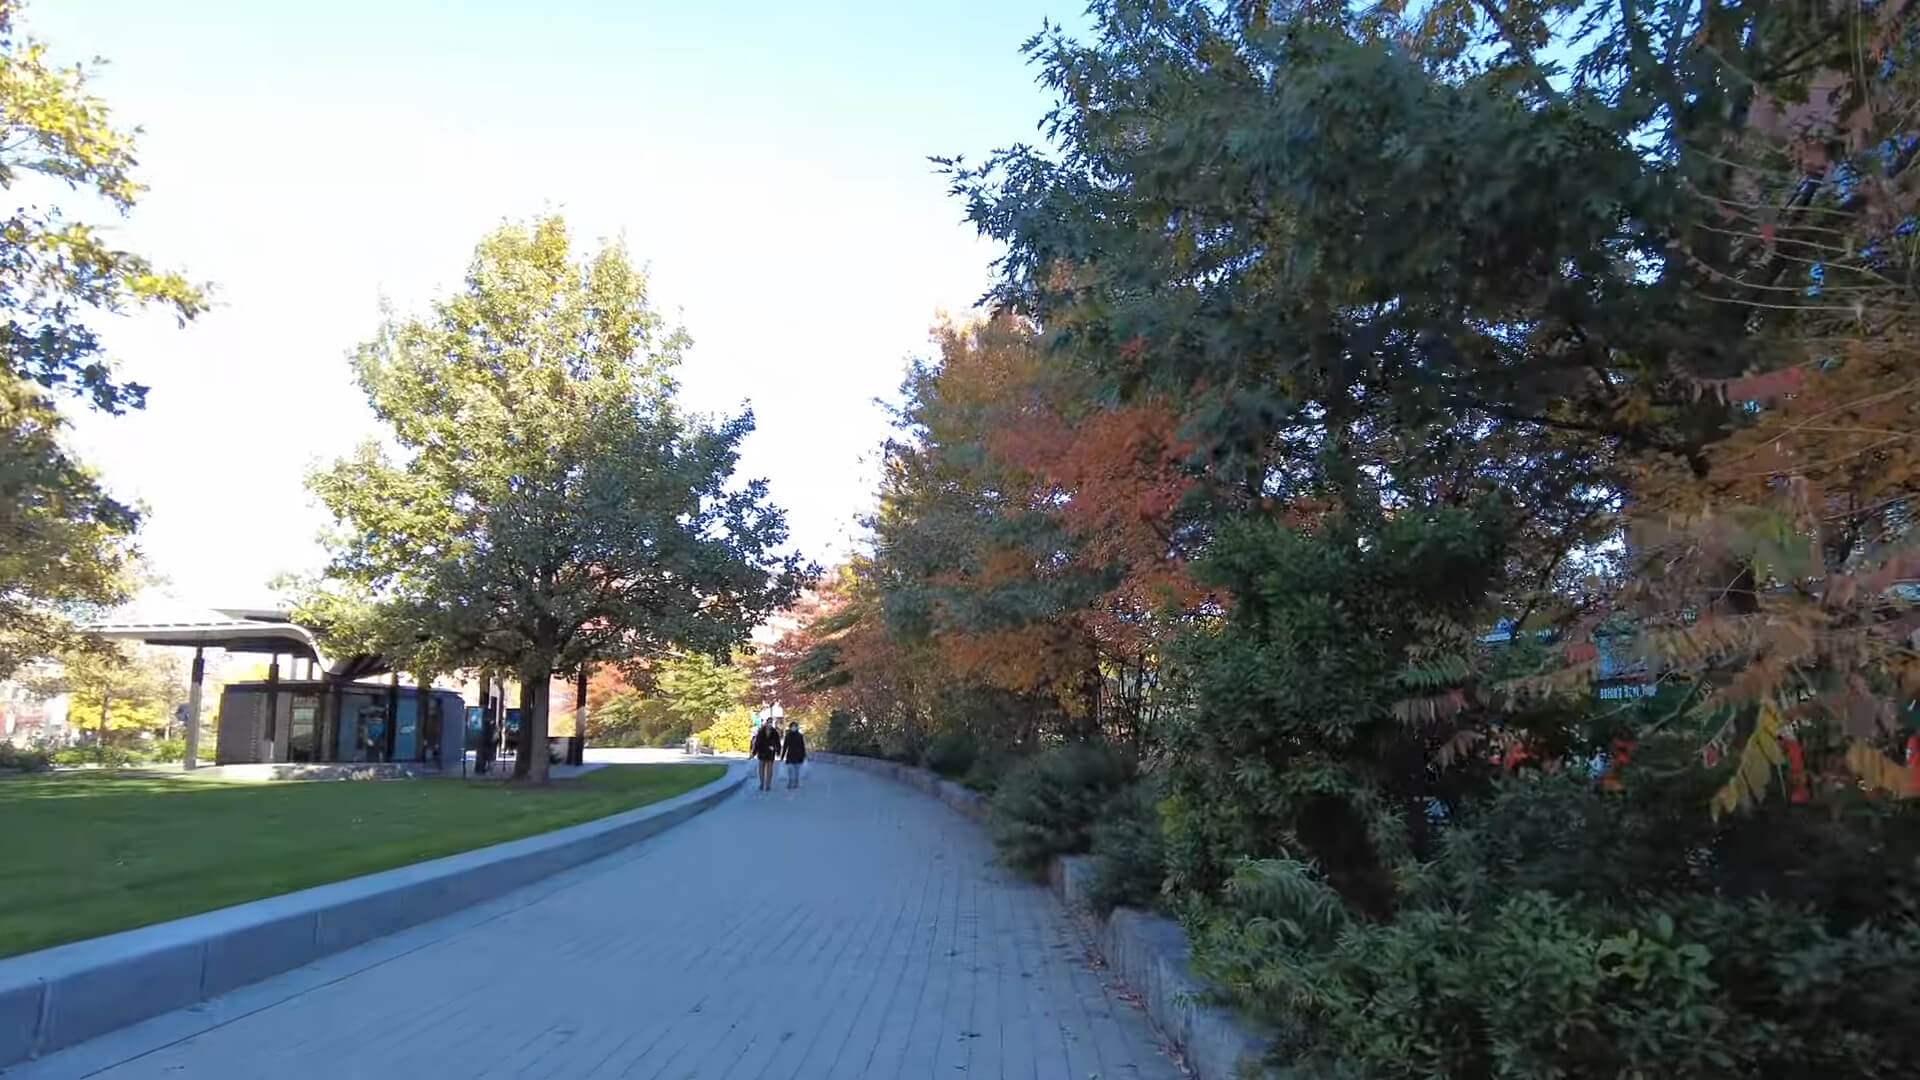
(577, 751)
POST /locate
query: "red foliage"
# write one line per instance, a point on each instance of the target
(1004, 440)
(1114, 479)
(798, 632)
(1796, 770)
(605, 683)
(1621, 757)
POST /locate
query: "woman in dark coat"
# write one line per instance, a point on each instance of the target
(794, 750)
(766, 747)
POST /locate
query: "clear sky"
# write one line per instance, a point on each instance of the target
(767, 161)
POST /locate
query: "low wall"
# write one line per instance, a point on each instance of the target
(284, 770)
(1150, 953)
(964, 799)
(59, 997)
(1147, 952)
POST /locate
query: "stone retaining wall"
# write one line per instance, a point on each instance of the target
(1150, 953)
(59, 997)
(1147, 952)
(964, 799)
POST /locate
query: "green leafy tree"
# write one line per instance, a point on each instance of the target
(550, 504)
(623, 720)
(1292, 747)
(677, 696)
(694, 691)
(55, 133)
(64, 544)
(1387, 257)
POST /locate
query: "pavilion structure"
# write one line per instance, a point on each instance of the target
(239, 630)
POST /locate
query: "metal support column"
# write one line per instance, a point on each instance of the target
(420, 740)
(393, 717)
(486, 724)
(193, 708)
(273, 710)
(577, 752)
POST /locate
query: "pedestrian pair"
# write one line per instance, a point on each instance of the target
(769, 746)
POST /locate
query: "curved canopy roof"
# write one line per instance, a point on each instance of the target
(235, 630)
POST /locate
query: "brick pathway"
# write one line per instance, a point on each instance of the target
(852, 929)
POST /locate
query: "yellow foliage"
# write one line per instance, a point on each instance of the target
(1706, 641)
(732, 733)
(1877, 771)
(83, 712)
(1758, 759)
(1429, 708)
(1574, 679)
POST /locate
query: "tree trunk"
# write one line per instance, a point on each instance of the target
(1091, 684)
(523, 756)
(533, 722)
(100, 749)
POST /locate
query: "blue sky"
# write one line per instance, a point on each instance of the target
(766, 161)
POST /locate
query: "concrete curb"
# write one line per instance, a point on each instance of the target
(63, 996)
(1147, 952)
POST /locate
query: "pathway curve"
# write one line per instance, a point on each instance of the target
(855, 928)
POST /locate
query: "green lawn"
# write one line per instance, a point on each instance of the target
(90, 853)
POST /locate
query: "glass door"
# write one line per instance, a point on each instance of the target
(370, 732)
(300, 733)
(406, 728)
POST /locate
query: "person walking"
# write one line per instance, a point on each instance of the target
(794, 751)
(766, 747)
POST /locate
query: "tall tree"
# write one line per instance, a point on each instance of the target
(1268, 213)
(1670, 274)
(1029, 559)
(551, 503)
(64, 542)
(1037, 531)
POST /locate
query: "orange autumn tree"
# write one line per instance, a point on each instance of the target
(779, 669)
(1033, 533)
(840, 660)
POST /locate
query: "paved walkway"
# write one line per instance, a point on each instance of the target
(852, 929)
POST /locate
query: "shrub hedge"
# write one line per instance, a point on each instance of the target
(1048, 804)
(24, 758)
(952, 755)
(1566, 931)
(1129, 858)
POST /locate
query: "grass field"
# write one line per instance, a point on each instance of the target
(89, 853)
